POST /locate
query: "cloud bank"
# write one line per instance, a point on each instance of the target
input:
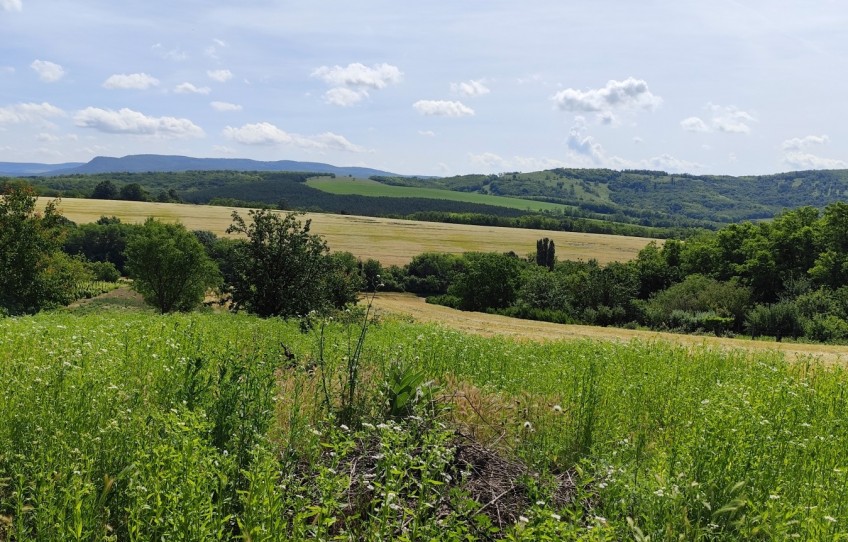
(265, 133)
(127, 121)
(442, 108)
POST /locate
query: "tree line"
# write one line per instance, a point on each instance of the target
(783, 278)
(277, 268)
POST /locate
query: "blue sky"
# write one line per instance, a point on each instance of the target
(435, 88)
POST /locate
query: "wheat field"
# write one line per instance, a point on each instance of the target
(391, 241)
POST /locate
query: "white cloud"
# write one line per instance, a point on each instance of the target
(798, 143)
(470, 88)
(45, 137)
(11, 5)
(585, 151)
(377, 77)
(265, 133)
(7, 70)
(130, 81)
(47, 71)
(188, 88)
(28, 112)
(606, 117)
(731, 119)
(638, 140)
(344, 97)
(427, 133)
(797, 156)
(225, 106)
(694, 124)
(723, 118)
(584, 145)
(127, 121)
(805, 160)
(222, 76)
(175, 55)
(628, 94)
(442, 108)
(488, 160)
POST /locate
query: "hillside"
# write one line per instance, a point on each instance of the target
(655, 198)
(140, 163)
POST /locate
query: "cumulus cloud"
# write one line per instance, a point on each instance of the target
(731, 119)
(799, 143)
(585, 151)
(470, 88)
(11, 5)
(222, 76)
(225, 106)
(345, 97)
(188, 88)
(28, 112)
(584, 145)
(797, 154)
(628, 94)
(47, 71)
(378, 76)
(130, 81)
(265, 133)
(488, 160)
(352, 83)
(427, 133)
(723, 118)
(442, 108)
(127, 121)
(694, 124)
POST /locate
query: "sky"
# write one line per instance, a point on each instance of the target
(431, 88)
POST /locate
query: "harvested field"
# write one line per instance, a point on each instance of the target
(492, 324)
(390, 241)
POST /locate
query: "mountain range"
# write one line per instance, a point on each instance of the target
(142, 163)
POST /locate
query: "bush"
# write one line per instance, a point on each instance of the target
(104, 271)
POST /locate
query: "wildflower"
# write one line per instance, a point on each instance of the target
(343, 427)
(528, 426)
(659, 492)
(523, 519)
(557, 408)
(830, 519)
(774, 497)
(556, 517)
(600, 519)
(540, 503)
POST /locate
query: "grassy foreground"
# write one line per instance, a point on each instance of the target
(125, 426)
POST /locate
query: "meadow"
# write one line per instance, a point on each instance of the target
(391, 241)
(367, 187)
(118, 425)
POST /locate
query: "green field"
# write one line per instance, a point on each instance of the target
(367, 187)
(125, 426)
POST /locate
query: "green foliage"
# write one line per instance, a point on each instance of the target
(432, 273)
(101, 241)
(169, 267)
(698, 294)
(105, 190)
(777, 320)
(545, 253)
(283, 270)
(488, 280)
(34, 273)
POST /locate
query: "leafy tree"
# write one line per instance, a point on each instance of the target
(105, 190)
(101, 241)
(169, 266)
(34, 273)
(133, 192)
(431, 273)
(281, 269)
(342, 279)
(490, 280)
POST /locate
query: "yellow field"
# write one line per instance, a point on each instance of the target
(495, 325)
(387, 240)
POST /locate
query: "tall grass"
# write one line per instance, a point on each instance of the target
(199, 427)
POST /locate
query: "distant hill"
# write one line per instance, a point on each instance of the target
(21, 169)
(656, 198)
(142, 163)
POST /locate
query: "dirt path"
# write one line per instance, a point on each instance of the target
(490, 325)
